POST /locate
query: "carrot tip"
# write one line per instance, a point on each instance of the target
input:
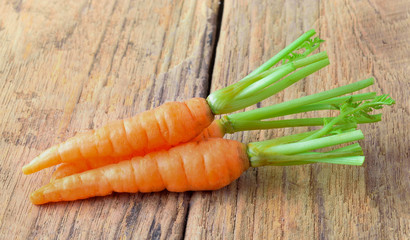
(27, 169)
(48, 158)
(37, 198)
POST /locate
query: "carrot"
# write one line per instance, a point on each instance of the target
(186, 167)
(148, 131)
(196, 166)
(179, 122)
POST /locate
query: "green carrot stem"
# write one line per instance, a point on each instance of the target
(245, 93)
(243, 87)
(277, 87)
(354, 160)
(299, 147)
(354, 98)
(260, 146)
(266, 112)
(225, 100)
(247, 125)
(284, 151)
(348, 110)
(309, 156)
(305, 157)
(266, 81)
(349, 148)
(351, 156)
(280, 73)
(283, 53)
(303, 109)
(329, 104)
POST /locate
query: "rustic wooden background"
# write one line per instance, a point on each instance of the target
(66, 66)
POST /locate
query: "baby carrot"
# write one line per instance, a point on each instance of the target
(186, 167)
(148, 131)
(178, 122)
(195, 166)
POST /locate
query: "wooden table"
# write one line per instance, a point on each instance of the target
(69, 66)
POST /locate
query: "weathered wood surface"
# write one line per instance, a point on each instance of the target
(66, 67)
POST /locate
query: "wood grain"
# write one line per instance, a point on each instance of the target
(73, 65)
(363, 39)
(67, 67)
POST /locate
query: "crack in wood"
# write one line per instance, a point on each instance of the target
(215, 45)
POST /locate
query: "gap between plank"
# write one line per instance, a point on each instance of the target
(208, 91)
(213, 54)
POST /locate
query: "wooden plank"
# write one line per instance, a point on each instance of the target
(70, 66)
(364, 38)
(374, 37)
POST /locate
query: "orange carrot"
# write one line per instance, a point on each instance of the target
(215, 130)
(160, 128)
(195, 166)
(187, 167)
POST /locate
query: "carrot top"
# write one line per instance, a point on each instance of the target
(266, 81)
(293, 150)
(328, 100)
(297, 149)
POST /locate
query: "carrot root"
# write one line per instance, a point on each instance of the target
(160, 128)
(46, 159)
(207, 165)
